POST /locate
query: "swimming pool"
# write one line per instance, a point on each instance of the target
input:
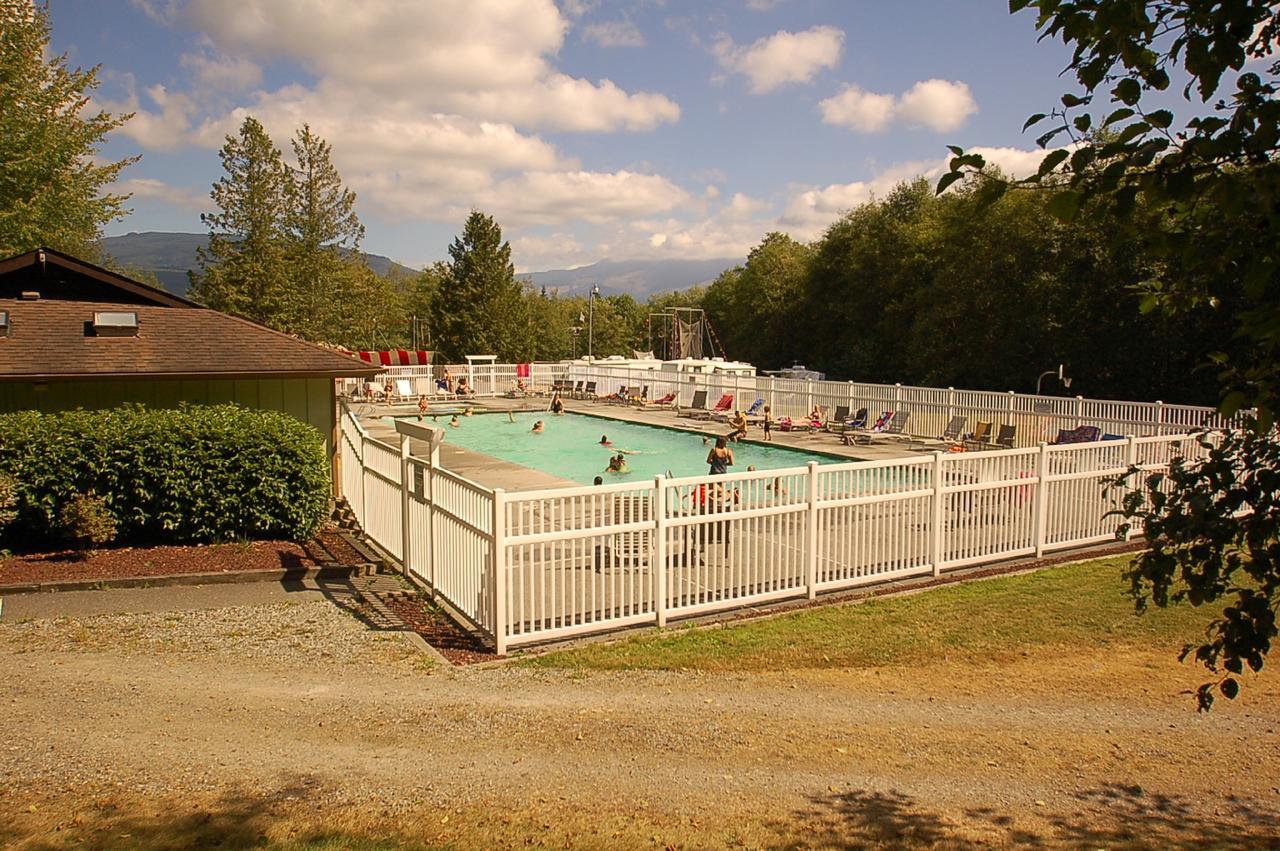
(569, 447)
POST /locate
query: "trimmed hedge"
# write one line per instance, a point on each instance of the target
(194, 474)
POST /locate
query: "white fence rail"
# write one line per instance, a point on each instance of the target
(1037, 418)
(540, 565)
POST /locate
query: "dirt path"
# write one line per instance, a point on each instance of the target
(286, 721)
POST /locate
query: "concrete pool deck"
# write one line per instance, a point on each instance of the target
(495, 473)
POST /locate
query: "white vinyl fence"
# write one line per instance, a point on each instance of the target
(540, 565)
(1037, 418)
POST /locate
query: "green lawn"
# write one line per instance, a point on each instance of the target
(1080, 605)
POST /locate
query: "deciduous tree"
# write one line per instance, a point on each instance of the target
(53, 190)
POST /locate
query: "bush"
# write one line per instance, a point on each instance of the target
(189, 475)
(8, 501)
(86, 522)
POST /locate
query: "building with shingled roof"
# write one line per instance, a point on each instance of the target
(74, 335)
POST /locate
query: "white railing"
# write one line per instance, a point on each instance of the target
(1037, 418)
(540, 565)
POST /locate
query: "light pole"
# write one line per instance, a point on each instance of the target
(1061, 372)
(574, 331)
(591, 317)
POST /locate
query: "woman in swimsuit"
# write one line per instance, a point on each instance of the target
(720, 458)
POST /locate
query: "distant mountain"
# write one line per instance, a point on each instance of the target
(170, 255)
(640, 278)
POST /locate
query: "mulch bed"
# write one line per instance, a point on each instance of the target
(326, 548)
(454, 643)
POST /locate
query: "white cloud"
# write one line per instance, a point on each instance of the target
(762, 5)
(223, 72)
(183, 197)
(161, 11)
(168, 127)
(939, 105)
(861, 110)
(621, 33)
(782, 58)
(553, 197)
(560, 250)
(487, 59)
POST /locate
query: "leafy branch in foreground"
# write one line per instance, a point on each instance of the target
(1214, 531)
(1211, 174)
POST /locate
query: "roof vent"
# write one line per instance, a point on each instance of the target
(30, 295)
(4, 323)
(115, 323)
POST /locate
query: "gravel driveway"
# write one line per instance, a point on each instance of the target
(282, 720)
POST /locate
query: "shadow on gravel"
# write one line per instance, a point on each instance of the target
(235, 820)
(1110, 815)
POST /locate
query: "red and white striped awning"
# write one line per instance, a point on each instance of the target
(396, 357)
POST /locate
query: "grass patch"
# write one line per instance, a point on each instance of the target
(1081, 605)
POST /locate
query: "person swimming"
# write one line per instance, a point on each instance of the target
(453, 421)
(537, 428)
(605, 441)
(618, 464)
(466, 412)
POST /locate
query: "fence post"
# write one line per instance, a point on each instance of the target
(1012, 399)
(935, 524)
(811, 532)
(1079, 411)
(429, 485)
(364, 506)
(1131, 461)
(1159, 417)
(498, 586)
(660, 550)
(1042, 498)
(405, 534)
(951, 403)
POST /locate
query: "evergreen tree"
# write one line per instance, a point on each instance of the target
(324, 239)
(483, 311)
(244, 269)
(51, 188)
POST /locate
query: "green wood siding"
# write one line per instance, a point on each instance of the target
(308, 399)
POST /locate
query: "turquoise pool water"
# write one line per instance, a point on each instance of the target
(569, 447)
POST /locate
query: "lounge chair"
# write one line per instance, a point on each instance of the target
(1083, 434)
(666, 401)
(895, 429)
(639, 396)
(623, 394)
(881, 423)
(589, 392)
(950, 435)
(1004, 440)
(836, 423)
(404, 391)
(577, 389)
(753, 413)
(981, 437)
(721, 410)
(857, 421)
(699, 403)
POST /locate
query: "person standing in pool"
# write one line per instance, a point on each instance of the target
(605, 441)
(453, 421)
(720, 458)
(537, 428)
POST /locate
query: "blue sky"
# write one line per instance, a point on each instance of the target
(590, 129)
